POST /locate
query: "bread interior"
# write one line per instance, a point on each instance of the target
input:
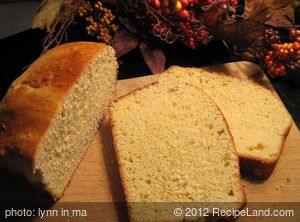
(257, 120)
(75, 124)
(173, 145)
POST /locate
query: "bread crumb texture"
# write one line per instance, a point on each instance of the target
(76, 123)
(258, 121)
(173, 145)
(62, 112)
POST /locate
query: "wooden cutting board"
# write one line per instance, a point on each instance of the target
(96, 184)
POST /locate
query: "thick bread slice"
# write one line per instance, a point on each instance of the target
(257, 120)
(173, 145)
(52, 111)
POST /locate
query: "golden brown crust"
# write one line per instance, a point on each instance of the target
(242, 202)
(40, 90)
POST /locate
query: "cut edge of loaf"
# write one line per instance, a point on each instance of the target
(116, 148)
(242, 202)
(99, 113)
(55, 164)
(253, 165)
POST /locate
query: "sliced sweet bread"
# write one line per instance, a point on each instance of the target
(257, 119)
(173, 145)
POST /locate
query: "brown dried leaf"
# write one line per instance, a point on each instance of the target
(154, 57)
(276, 20)
(124, 42)
(242, 34)
(258, 9)
(212, 17)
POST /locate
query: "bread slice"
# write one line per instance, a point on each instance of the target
(257, 120)
(173, 145)
(52, 111)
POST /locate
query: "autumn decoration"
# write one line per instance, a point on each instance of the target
(262, 31)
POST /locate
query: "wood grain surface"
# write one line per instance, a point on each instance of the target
(96, 183)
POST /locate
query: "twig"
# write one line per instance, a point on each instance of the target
(64, 20)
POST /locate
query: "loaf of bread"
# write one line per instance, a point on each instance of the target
(173, 145)
(52, 111)
(257, 120)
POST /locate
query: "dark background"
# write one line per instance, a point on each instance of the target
(20, 46)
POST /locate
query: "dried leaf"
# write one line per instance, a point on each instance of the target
(212, 17)
(130, 24)
(47, 13)
(154, 57)
(242, 34)
(276, 20)
(258, 9)
(124, 42)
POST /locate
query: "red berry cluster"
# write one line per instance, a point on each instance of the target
(172, 20)
(100, 25)
(283, 56)
(181, 7)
